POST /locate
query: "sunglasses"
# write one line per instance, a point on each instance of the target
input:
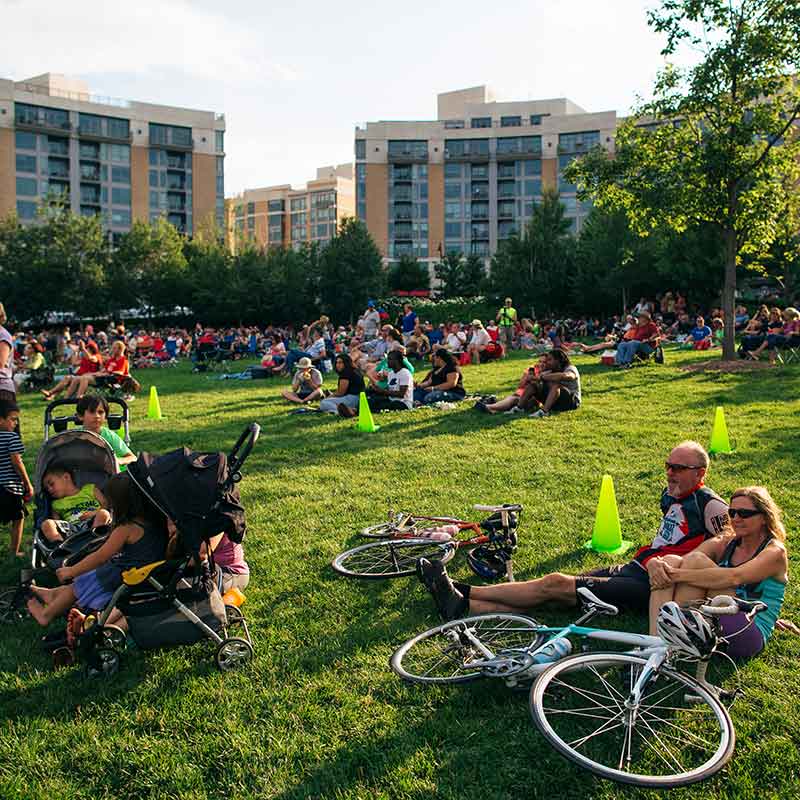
(744, 513)
(668, 465)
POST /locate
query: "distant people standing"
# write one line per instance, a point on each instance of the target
(409, 321)
(506, 319)
(370, 321)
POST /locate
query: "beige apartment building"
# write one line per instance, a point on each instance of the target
(281, 216)
(119, 159)
(470, 178)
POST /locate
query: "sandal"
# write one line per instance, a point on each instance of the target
(75, 620)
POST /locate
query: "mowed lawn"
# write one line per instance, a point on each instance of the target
(319, 713)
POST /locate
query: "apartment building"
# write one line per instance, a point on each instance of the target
(119, 159)
(281, 216)
(470, 178)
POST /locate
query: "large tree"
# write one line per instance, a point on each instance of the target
(351, 271)
(408, 275)
(717, 144)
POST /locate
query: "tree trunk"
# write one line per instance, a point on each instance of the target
(729, 295)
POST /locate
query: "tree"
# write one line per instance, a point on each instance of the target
(472, 277)
(717, 145)
(448, 272)
(408, 275)
(351, 271)
(535, 269)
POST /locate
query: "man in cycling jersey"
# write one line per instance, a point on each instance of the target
(691, 513)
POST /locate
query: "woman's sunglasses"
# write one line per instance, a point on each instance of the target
(744, 513)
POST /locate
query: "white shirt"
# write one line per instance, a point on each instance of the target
(317, 349)
(455, 341)
(480, 337)
(401, 378)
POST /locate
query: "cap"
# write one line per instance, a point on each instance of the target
(476, 323)
(304, 363)
(371, 303)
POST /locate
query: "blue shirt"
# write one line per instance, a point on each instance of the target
(698, 334)
(409, 321)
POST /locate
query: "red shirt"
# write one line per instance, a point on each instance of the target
(118, 366)
(643, 333)
(87, 366)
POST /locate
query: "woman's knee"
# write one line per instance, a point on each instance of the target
(696, 560)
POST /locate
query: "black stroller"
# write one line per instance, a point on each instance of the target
(176, 601)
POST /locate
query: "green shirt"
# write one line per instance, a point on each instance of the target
(117, 444)
(70, 508)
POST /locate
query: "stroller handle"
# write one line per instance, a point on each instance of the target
(247, 440)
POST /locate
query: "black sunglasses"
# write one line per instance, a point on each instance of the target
(669, 465)
(744, 513)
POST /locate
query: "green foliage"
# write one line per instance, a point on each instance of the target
(453, 309)
(719, 147)
(460, 277)
(473, 276)
(535, 269)
(351, 271)
(408, 275)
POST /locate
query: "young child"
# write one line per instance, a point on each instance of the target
(76, 508)
(138, 538)
(15, 486)
(92, 413)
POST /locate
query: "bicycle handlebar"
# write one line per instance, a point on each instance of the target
(724, 605)
(495, 509)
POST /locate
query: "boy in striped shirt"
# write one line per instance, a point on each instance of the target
(15, 485)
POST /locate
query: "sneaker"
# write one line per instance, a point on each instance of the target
(450, 603)
(540, 414)
(481, 406)
(515, 410)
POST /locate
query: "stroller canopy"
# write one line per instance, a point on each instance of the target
(195, 490)
(88, 455)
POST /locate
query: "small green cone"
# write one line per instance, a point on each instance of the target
(720, 443)
(365, 421)
(607, 532)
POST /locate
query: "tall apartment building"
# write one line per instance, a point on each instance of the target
(280, 216)
(120, 159)
(470, 178)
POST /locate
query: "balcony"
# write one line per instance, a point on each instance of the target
(89, 196)
(479, 191)
(402, 194)
(89, 172)
(479, 232)
(480, 211)
(176, 161)
(408, 155)
(41, 122)
(573, 148)
(508, 154)
(57, 171)
(103, 133)
(474, 154)
(403, 233)
(506, 211)
(402, 211)
(506, 189)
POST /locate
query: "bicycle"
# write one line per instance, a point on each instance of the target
(631, 716)
(406, 538)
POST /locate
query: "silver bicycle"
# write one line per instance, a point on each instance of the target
(630, 716)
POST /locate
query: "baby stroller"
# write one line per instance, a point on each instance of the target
(92, 461)
(37, 379)
(176, 601)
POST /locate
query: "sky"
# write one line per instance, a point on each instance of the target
(294, 79)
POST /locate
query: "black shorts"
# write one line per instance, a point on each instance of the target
(12, 506)
(566, 401)
(623, 585)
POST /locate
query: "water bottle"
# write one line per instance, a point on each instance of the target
(554, 650)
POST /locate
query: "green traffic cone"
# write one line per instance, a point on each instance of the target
(720, 443)
(365, 421)
(607, 532)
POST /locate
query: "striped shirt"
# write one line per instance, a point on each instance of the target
(10, 443)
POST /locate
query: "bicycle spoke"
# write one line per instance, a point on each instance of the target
(583, 692)
(675, 761)
(606, 727)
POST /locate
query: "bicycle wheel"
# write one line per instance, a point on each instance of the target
(383, 531)
(390, 559)
(12, 609)
(448, 654)
(678, 733)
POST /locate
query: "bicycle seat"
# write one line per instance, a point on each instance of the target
(590, 601)
(495, 509)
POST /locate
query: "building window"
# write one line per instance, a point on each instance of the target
(461, 148)
(481, 122)
(298, 204)
(536, 119)
(533, 167)
(25, 114)
(121, 175)
(361, 149)
(532, 188)
(578, 142)
(408, 148)
(121, 153)
(453, 170)
(120, 217)
(26, 209)
(26, 163)
(170, 134)
(121, 197)
(91, 124)
(118, 128)
(25, 140)
(452, 191)
(219, 141)
(452, 230)
(510, 122)
(452, 210)
(275, 205)
(453, 124)
(480, 171)
(27, 186)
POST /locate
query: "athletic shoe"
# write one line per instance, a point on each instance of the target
(481, 406)
(540, 414)
(515, 410)
(450, 603)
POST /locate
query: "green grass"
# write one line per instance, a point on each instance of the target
(319, 713)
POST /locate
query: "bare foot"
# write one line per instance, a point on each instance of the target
(46, 394)
(38, 611)
(41, 592)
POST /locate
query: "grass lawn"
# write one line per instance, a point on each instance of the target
(319, 713)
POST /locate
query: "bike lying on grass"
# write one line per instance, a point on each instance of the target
(406, 538)
(631, 716)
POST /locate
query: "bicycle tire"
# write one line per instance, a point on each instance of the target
(384, 530)
(597, 685)
(390, 558)
(11, 610)
(444, 659)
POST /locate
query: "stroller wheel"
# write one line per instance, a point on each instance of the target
(103, 663)
(12, 609)
(233, 614)
(113, 637)
(233, 653)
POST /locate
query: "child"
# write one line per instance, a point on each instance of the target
(138, 538)
(15, 486)
(92, 413)
(701, 335)
(73, 506)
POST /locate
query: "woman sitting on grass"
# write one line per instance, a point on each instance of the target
(444, 382)
(348, 389)
(749, 561)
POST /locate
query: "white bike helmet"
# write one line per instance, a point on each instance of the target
(686, 630)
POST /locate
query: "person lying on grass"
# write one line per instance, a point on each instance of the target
(749, 561)
(139, 537)
(92, 413)
(691, 513)
(75, 509)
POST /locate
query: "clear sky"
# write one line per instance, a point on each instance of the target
(294, 78)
